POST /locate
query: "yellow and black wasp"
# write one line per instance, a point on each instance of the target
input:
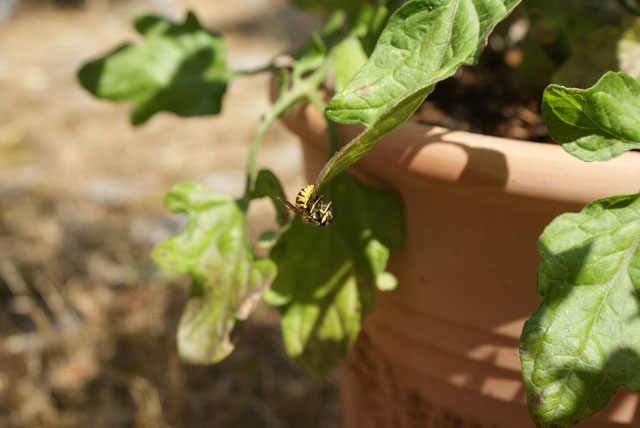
(312, 210)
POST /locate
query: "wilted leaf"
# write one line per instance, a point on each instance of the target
(424, 42)
(227, 279)
(326, 276)
(598, 123)
(581, 344)
(179, 68)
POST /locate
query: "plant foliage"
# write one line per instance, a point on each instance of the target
(598, 123)
(581, 344)
(227, 278)
(384, 58)
(424, 42)
(180, 68)
(326, 278)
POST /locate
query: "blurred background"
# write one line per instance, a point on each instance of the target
(87, 321)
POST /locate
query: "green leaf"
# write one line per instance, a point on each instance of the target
(267, 184)
(634, 384)
(395, 116)
(227, 279)
(327, 276)
(598, 123)
(424, 42)
(581, 344)
(179, 68)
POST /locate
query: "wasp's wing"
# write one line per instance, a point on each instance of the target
(304, 215)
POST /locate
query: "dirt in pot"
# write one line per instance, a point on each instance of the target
(487, 99)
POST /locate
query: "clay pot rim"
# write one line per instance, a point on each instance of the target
(429, 155)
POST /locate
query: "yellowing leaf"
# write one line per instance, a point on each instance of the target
(227, 278)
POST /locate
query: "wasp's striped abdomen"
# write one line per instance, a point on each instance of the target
(303, 196)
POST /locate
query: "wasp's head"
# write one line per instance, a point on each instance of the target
(322, 215)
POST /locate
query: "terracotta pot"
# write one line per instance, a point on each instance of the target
(442, 349)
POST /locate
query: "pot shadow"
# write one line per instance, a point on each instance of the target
(489, 167)
(378, 378)
(620, 367)
(484, 167)
(560, 277)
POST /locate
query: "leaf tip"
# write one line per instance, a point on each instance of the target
(191, 19)
(143, 22)
(137, 117)
(386, 281)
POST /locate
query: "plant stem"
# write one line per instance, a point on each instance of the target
(301, 89)
(261, 69)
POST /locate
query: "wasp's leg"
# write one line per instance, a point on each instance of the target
(313, 207)
(326, 208)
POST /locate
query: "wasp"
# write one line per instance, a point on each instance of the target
(311, 209)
